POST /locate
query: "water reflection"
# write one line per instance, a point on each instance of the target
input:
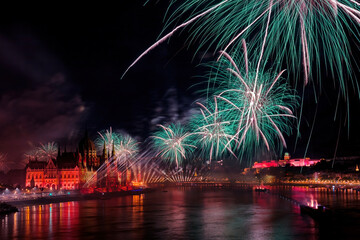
(176, 214)
(138, 211)
(333, 198)
(41, 221)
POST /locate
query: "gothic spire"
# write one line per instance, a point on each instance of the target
(113, 150)
(105, 151)
(58, 150)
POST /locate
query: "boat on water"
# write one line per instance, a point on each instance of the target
(261, 189)
(7, 208)
(318, 212)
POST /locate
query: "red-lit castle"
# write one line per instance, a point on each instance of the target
(297, 162)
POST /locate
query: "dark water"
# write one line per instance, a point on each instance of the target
(344, 222)
(177, 214)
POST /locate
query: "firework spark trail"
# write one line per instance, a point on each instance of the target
(121, 143)
(142, 164)
(246, 58)
(148, 171)
(171, 33)
(322, 26)
(31, 155)
(108, 168)
(107, 138)
(43, 153)
(145, 167)
(181, 174)
(100, 174)
(305, 51)
(125, 150)
(47, 151)
(211, 131)
(263, 45)
(127, 147)
(244, 30)
(172, 143)
(259, 109)
(337, 144)
(151, 173)
(310, 135)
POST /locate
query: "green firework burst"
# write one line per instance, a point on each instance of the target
(305, 35)
(211, 133)
(258, 104)
(173, 143)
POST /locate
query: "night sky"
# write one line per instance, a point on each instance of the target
(60, 68)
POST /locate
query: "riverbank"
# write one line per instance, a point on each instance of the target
(77, 197)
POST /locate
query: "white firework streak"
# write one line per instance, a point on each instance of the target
(167, 36)
(255, 96)
(213, 130)
(302, 7)
(175, 144)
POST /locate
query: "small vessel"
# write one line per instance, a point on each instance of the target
(7, 208)
(261, 189)
(318, 212)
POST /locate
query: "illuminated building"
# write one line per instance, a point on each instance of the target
(297, 162)
(70, 170)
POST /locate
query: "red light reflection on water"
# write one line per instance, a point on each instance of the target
(174, 214)
(40, 221)
(137, 210)
(311, 196)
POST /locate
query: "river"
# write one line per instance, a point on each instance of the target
(182, 213)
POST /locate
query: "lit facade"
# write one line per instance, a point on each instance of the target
(70, 170)
(297, 162)
(43, 174)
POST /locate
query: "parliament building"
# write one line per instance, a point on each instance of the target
(70, 170)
